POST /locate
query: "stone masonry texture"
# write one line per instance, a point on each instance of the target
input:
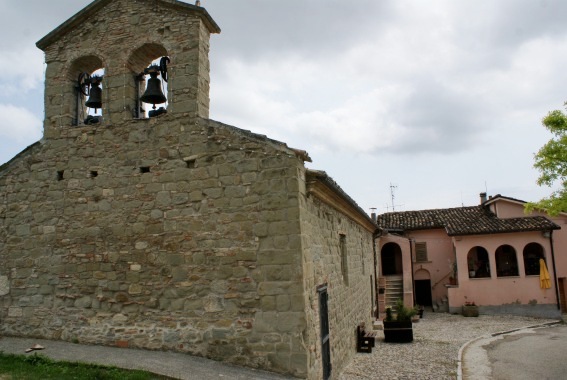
(200, 254)
(349, 303)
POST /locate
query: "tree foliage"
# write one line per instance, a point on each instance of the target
(551, 161)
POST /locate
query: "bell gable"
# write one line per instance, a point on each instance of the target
(110, 47)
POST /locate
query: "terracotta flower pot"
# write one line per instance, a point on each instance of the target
(470, 311)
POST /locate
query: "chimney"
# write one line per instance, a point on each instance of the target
(373, 214)
(482, 198)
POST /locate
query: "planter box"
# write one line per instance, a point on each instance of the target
(398, 332)
(470, 311)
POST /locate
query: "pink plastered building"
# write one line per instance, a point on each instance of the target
(487, 254)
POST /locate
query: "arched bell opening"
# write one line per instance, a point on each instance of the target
(87, 77)
(149, 63)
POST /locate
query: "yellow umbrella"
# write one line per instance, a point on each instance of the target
(544, 280)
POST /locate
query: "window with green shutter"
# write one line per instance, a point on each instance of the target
(420, 252)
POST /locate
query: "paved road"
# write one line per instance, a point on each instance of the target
(537, 353)
(176, 365)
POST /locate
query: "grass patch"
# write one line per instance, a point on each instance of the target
(32, 367)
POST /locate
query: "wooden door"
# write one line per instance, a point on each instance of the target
(325, 338)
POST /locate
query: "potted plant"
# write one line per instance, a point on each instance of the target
(398, 328)
(470, 309)
(472, 266)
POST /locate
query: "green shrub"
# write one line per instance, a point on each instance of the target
(403, 313)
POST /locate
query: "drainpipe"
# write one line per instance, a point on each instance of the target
(411, 262)
(554, 270)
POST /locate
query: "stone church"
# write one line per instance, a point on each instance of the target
(166, 230)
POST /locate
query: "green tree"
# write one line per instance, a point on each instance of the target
(551, 161)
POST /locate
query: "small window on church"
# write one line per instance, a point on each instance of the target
(344, 258)
(421, 252)
(362, 257)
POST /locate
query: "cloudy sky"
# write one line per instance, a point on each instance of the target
(441, 99)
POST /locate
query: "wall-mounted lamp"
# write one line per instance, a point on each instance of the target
(546, 234)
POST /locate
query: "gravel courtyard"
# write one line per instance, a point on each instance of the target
(434, 351)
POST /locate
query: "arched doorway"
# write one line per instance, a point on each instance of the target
(506, 261)
(533, 252)
(478, 262)
(422, 283)
(391, 259)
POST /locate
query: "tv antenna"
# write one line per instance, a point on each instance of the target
(393, 197)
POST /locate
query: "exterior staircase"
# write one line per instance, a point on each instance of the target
(441, 305)
(394, 290)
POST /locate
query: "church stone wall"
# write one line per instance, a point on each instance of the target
(350, 299)
(168, 233)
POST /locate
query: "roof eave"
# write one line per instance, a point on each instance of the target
(410, 229)
(70, 23)
(79, 17)
(494, 232)
(326, 189)
(18, 156)
(499, 197)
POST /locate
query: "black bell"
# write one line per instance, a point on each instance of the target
(95, 96)
(153, 94)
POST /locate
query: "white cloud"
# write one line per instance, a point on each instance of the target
(20, 71)
(421, 81)
(462, 85)
(19, 125)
